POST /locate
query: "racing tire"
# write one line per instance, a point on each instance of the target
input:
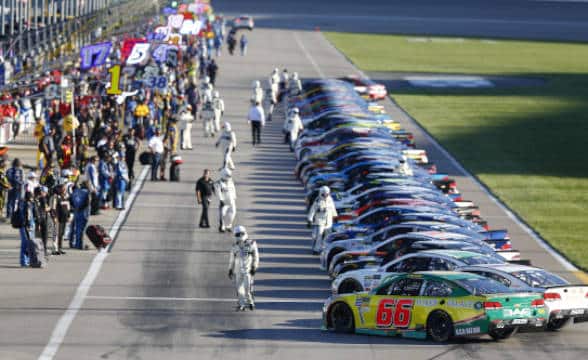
(502, 334)
(439, 326)
(341, 319)
(556, 324)
(349, 287)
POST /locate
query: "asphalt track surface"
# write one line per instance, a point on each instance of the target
(524, 19)
(163, 292)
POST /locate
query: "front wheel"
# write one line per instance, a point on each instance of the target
(440, 326)
(502, 334)
(349, 287)
(341, 319)
(556, 324)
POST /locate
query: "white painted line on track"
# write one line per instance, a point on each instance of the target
(62, 326)
(316, 67)
(154, 205)
(192, 299)
(542, 243)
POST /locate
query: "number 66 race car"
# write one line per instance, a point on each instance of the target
(440, 305)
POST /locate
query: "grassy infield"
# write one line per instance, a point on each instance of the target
(528, 144)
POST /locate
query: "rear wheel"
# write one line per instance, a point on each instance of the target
(502, 334)
(349, 286)
(440, 326)
(556, 324)
(341, 318)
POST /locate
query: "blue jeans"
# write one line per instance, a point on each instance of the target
(119, 197)
(155, 165)
(80, 221)
(25, 259)
(13, 199)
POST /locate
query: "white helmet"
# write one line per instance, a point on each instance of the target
(216, 94)
(227, 126)
(207, 79)
(324, 191)
(296, 110)
(225, 173)
(276, 70)
(256, 84)
(295, 76)
(240, 233)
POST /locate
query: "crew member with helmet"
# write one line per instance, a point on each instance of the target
(320, 217)
(243, 263)
(227, 194)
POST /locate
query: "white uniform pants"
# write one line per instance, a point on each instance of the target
(228, 159)
(187, 136)
(319, 232)
(227, 213)
(244, 292)
(208, 123)
(217, 120)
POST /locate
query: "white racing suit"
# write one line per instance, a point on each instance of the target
(295, 87)
(207, 116)
(228, 143)
(257, 95)
(244, 259)
(219, 109)
(227, 194)
(321, 216)
(186, 120)
(292, 128)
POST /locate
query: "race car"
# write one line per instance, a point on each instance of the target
(242, 22)
(349, 280)
(563, 300)
(438, 305)
(499, 240)
(367, 88)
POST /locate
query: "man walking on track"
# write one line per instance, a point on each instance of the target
(204, 190)
(256, 118)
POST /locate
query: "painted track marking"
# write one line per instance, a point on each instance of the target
(62, 326)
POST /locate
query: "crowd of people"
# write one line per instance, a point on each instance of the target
(87, 148)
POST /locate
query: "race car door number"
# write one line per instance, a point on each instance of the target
(394, 311)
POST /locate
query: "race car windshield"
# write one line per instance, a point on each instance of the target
(538, 278)
(484, 286)
(481, 259)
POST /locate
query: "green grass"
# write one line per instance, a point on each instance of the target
(528, 144)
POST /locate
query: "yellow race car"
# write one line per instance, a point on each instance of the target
(439, 305)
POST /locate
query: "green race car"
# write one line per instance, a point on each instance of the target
(440, 305)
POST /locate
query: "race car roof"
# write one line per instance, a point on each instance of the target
(442, 235)
(508, 268)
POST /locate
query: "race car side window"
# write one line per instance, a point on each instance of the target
(504, 281)
(415, 264)
(440, 264)
(437, 289)
(406, 287)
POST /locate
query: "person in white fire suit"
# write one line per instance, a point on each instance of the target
(218, 105)
(320, 217)
(228, 143)
(256, 92)
(292, 127)
(186, 119)
(243, 263)
(227, 194)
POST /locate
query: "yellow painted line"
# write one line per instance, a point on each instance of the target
(582, 276)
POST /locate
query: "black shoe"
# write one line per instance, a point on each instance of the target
(251, 307)
(55, 253)
(220, 229)
(61, 252)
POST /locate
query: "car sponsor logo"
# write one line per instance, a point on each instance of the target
(467, 331)
(517, 312)
(460, 303)
(520, 321)
(576, 311)
(426, 302)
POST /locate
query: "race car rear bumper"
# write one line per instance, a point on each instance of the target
(579, 315)
(523, 323)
